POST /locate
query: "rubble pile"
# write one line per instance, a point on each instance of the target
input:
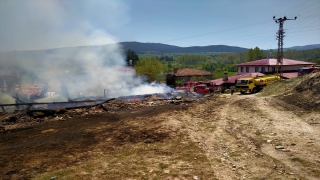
(35, 116)
(121, 105)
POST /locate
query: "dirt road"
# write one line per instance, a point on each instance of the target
(221, 137)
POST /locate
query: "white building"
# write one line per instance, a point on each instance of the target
(267, 66)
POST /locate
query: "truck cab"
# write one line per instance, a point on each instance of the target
(202, 89)
(245, 85)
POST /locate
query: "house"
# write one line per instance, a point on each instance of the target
(269, 65)
(185, 75)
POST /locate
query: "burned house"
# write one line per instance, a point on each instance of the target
(186, 74)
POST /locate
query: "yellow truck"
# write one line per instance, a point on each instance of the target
(254, 84)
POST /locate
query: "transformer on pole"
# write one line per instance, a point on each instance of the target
(280, 36)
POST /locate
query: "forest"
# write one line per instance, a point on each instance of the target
(218, 63)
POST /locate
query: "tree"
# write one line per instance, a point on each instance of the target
(254, 54)
(257, 53)
(150, 67)
(131, 55)
(249, 55)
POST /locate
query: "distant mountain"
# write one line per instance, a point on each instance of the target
(139, 47)
(306, 47)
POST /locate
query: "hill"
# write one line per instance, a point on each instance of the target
(306, 47)
(302, 92)
(165, 48)
(138, 47)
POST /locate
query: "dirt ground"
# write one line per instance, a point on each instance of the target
(218, 137)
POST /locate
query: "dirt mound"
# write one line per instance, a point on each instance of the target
(306, 95)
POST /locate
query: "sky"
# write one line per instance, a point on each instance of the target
(46, 24)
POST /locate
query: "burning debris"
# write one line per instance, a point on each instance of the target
(41, 113)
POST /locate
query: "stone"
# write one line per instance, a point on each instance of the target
(166, 171)
(279, 147)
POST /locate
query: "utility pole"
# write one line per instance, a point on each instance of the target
(280, 36)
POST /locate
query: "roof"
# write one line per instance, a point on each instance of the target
(190, 72)
(232, 79)
(273, 62)
(290, 75)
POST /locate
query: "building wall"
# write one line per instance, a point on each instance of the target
(252, 69)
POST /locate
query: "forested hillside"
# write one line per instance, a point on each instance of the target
(220, 62)
(156, 48)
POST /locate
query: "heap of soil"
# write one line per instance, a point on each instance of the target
(307, 94)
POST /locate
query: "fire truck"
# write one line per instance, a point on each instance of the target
(198, 87)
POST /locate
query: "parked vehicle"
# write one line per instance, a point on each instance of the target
(210, 85)
(198, 87)
(202, 89)
(307, 70)
(255, 84)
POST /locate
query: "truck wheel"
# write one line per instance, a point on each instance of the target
(254, 90)
(242, 92)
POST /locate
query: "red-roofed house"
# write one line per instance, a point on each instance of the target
(270, 66)
(185, 75)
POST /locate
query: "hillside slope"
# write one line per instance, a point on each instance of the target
(303, 92)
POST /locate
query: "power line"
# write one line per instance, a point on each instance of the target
(224, 30)
(280, 36)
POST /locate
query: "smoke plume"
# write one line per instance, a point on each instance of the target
(90, 69)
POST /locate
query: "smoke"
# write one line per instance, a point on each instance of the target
(71, 72)
(80, 71)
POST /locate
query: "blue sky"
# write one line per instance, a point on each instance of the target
(43, 24)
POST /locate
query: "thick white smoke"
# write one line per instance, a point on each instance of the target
(70, 72)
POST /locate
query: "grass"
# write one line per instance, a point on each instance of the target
(299, 160)
(158, 160)
(60, 173)
(281, 86)
(310, 166)
(258, 133)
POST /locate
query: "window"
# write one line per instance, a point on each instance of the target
(256, 69)
(241, 69)
(263, 69)
(273, 69)
(247, 69)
